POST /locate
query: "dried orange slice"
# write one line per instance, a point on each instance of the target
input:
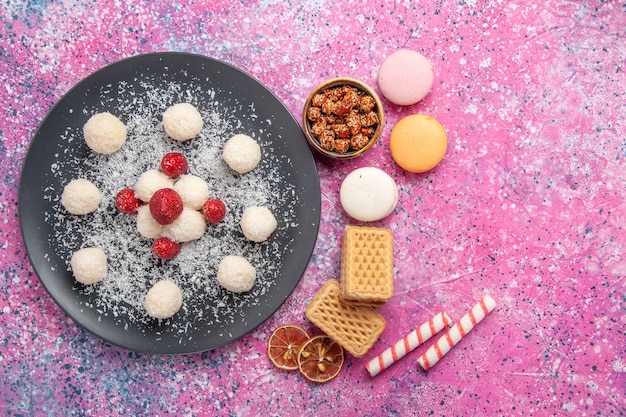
(320, 359)
(283, 345)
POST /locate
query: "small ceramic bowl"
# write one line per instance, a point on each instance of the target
(334, 145)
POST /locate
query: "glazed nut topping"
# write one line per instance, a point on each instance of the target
(343, 119)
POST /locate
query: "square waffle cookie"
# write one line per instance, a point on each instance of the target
(366, 265)
(355, 328)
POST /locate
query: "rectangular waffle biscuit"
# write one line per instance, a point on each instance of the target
(355, 328)
(366, 265)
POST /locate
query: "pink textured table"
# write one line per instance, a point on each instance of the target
(529, 205)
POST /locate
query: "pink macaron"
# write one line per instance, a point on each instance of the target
(405, 77)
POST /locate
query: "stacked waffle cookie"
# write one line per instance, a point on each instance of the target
(344, 310)
(367, 266)
(355, 328)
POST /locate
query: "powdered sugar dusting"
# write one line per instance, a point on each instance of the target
(133, 269)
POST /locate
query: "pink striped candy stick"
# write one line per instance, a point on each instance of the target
(408, 343)
(456, 332)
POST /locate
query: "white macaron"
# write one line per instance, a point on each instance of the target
(368, 194)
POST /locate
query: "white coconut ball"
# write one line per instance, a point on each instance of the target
(81, 196)
(150, 182)
(257, 223)
(236, 274)
(89, 265)
(104, 133)
(242, 153)
(190, 225)
(163, 300)
(182, 121)
(146, 225)
(193, 190)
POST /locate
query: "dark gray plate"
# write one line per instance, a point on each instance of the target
(230, 85)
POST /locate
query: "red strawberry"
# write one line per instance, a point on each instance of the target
(174, 164)
(165, 248)
(214, 210)
(166, 205)
(127, 202)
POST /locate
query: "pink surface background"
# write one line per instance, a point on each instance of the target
(529, 205)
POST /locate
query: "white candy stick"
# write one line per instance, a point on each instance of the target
(408, 343)
(456, 332)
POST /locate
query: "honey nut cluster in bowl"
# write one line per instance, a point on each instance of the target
(342, 118)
